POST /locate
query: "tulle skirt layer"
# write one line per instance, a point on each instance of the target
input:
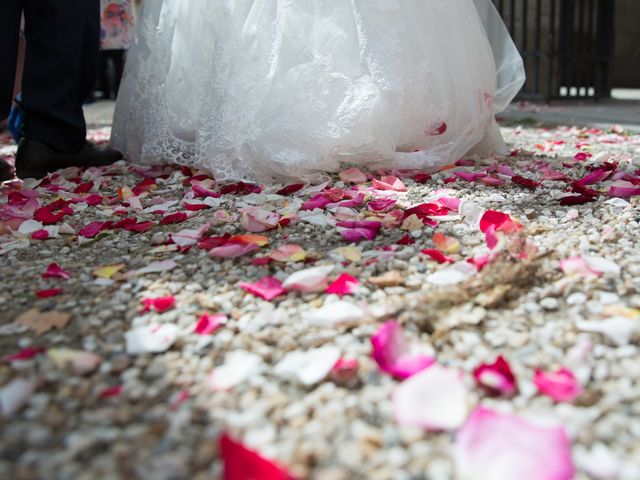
(264, 90)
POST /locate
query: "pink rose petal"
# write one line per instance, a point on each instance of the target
(434, 399)
(623, 189)
(381, 204)
(345, 369)
(257, 220)
(233, 250)
(389, 183)
(319, 201)
(353, 175)
(578, 266)
(560, 385)
(496, 378)
(394, 354)
(506, 447)
(267, 288)
(345, 284)
(41, 234)
(208, 324)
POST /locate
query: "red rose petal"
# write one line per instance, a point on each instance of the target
(240, 463)
(25, 354)
(288, 190)
(496, 378)
(159, 304)
(438, 256)
(173, 218)
(55, 271)
(52, 292)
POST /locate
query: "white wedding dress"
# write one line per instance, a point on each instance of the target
(266, 90)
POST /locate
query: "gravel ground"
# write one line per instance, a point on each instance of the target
(149, 408)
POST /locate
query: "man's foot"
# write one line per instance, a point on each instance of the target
(6, 171)
(36, 159)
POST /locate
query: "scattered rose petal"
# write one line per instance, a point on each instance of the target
(389, 183)
(29, 227)
(288, 253)
(506, 447)
(290, 189)
(266, 288)
(150, 339)
(159, 304)
(24, 354)
(238, 367)
(40, 234)
(308, 367)
(436, 129)
(92, 229)
(344, 369)
(208, 324)
(345, 284)
(111, 392)
(445, 244)
(434, 399)
(341, 313)
(55, 271)
(395, 355)
(438, 256)
(174, 218)
(241, 463)
(623, 189)
(381, 204)
(353, 175)
(51, 292)
(496, 378)
(309, 280)
(156, 267)
(560, 385)
(258, 220)
(233, 249)
(319, 201)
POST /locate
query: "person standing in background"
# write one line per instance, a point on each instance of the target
(62, 40)
(117, 28)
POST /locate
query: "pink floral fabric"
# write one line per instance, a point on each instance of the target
(117, 24)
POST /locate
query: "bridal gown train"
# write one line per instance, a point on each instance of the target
(265, 90)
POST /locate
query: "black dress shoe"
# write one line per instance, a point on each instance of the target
(36, 159)
(6, 171)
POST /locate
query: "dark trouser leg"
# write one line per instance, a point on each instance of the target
(103, 74)
(10, 14)
(118, 62)
(60, 69)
